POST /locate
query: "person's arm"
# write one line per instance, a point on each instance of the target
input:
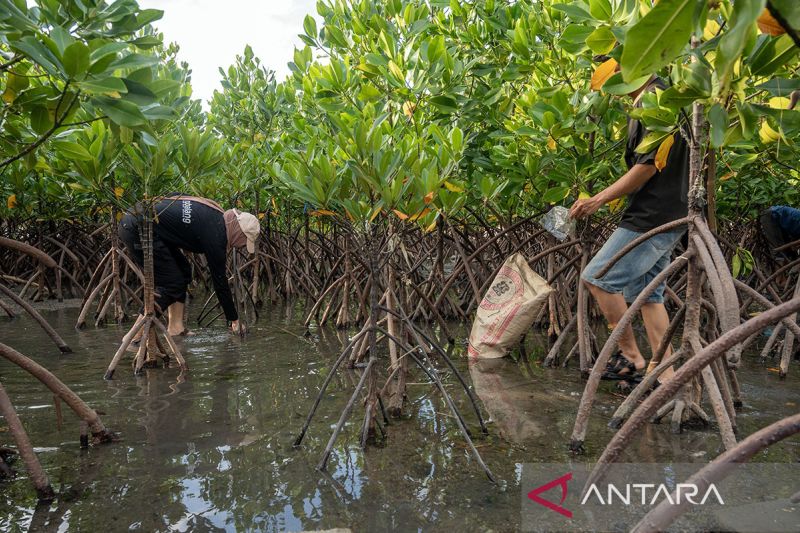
(630, 182)
(217, 259)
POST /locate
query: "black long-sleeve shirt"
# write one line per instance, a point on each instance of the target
(198, 228)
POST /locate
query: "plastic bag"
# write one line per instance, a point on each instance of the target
(558, 223)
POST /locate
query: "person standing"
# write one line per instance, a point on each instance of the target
(196, 225)
(655, 197)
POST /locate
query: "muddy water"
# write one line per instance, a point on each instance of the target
(213, 452)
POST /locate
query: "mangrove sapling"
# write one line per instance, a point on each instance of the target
(150, 349)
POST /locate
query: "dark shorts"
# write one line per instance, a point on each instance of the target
(171, 269)
(631, 274)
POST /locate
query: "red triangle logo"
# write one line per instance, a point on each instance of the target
(559, 482)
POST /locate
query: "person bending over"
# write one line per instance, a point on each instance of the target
(781, 226)
(199, 226)
(654, 198)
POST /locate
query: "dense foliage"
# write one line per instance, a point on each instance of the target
(406, 109)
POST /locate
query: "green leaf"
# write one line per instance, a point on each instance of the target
(748, 119)
(616, 85)
(658, 38)
(72, 150)
(718, 120)
(651, 141)
(780, 86)
(138, 93)
(103, 86)
(135, 61)
(736, 266)
(576, 11)
(601, 40)
(121, 112)
(41, 121)
(555, 194)
(768, 58)
(745, 13)
(310, 26)
(679, 97)
(76, 60)
(573, 38)
(445, 104)
(600, 9)
(38, 53)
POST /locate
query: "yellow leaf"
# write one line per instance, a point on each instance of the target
(274, 206)
(118, 192)
(409, 108)
(584, 196)
(321, 212)
(711, 29)
(452, 187)
(663, 152)
(9, 96)
(119, 216)
(400, 214)
(419, 215)
(432, 226)
(428, 198)
(375, 213)
(12, 201)
(551, 143)
(767, 134)
(767, 24)
(261, 216)
(727, 176)
(615, 205)
(779, 102)
(351, 217)
(601, 74)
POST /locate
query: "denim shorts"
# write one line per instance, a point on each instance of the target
(631, 274)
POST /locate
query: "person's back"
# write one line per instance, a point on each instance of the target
(780, 225)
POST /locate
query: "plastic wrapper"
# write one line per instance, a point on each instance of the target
(558, 223)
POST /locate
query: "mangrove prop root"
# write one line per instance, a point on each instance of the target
(683, 375)
(58, 388)
(35, 470)
(660, 517)
(38, 318)
(584, 409)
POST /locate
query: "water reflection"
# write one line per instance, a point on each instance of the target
(212, 450)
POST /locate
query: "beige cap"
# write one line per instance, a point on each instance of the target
(250, 227)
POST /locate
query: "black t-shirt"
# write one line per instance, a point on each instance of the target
(200, 229)
(664, 197)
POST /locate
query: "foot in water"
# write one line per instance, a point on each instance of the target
(184, 333)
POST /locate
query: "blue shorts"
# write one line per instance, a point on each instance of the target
(631, 274)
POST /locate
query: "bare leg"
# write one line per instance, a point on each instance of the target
(175, 314)
(656, 322)
(613, 306)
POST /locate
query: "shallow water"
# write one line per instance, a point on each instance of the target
(214, 452)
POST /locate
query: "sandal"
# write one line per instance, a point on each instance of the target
(625, 371)
(615, 362)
